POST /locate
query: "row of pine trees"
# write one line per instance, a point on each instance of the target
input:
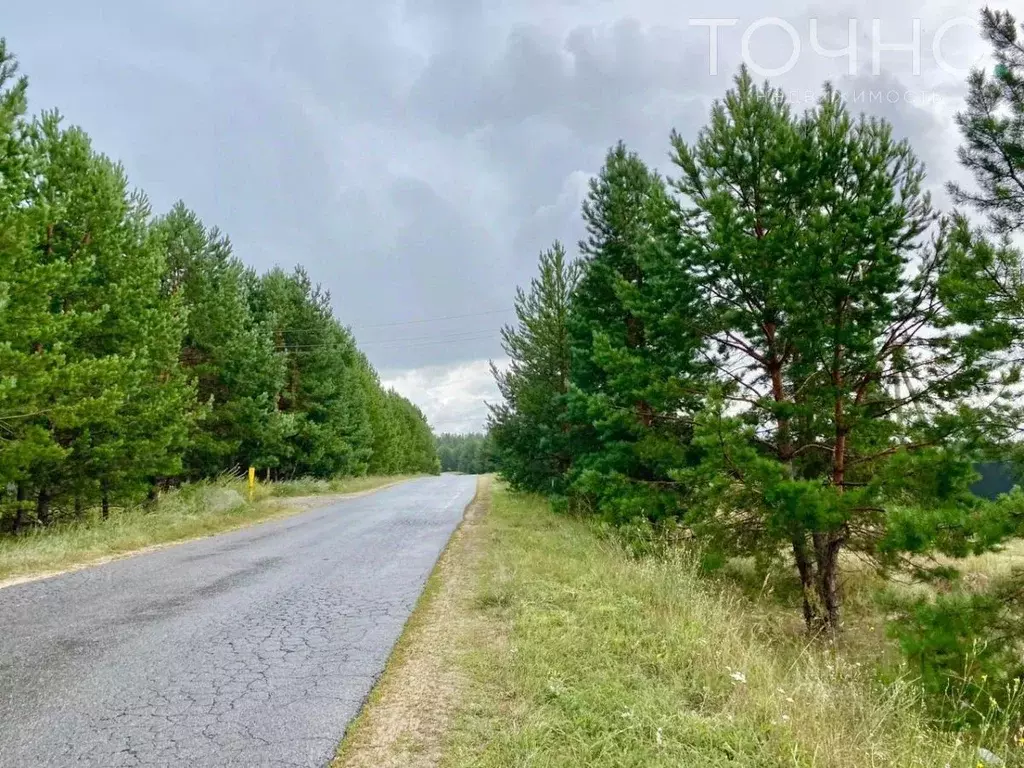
(136, 351)
(784, 351)
(471, 454)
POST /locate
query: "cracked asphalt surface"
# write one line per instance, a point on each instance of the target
(254, 648)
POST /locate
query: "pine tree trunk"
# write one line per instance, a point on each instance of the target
(827, 547)
(106, 501)
(19, 515)
(43, 506)
(805, 567)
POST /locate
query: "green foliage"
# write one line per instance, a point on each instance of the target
(470, 454)
(965, 645)
(530, 428)
(237, 370)
(993, 128)
(965, 649)
(847, 375)
(413, 440)
(634, 359)
(136, 352)
(987, 274)
(323, 391)
(786, 349)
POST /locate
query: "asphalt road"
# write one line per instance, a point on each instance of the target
(255, 648)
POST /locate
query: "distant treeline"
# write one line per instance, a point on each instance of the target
(136, 351)
(472, 454)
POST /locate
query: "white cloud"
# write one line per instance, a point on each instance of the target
(454, 398)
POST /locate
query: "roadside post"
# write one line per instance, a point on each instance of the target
(252, 482)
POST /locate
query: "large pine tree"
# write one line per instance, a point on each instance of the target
(853, 387)
(123, 406)
(323, 390)
(30, 359)
(634, 356)
(238, 371)
(530, 427)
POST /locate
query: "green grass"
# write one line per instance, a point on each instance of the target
(609, 660)
(193, 511)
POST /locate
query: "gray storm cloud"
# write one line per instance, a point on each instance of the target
(417, 156)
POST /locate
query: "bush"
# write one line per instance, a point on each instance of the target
(966, 648)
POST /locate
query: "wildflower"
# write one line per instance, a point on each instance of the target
(739, 677)
(658, 737)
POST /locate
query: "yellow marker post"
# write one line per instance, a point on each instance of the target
(252, 482)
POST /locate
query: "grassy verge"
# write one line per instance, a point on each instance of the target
(560, 649)
(191, 512)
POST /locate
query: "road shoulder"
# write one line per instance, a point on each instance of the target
(410, 712)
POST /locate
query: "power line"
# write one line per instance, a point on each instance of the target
(435, 343)
(327, 328)
(489, 313)
(455, 336)
(435, 319)
(461, 335)
(398, 344)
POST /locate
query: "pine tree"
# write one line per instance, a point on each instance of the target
(322, 391)
(122, 405)
(28, 329)
(238, 371)
(988, 273)
(530, 428)
(386, 454)
(993, 129)
(849, 381)
(634, 359)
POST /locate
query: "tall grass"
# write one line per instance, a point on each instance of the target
(610, 659)
(192, 511)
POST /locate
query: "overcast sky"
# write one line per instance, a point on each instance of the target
(416, 156)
